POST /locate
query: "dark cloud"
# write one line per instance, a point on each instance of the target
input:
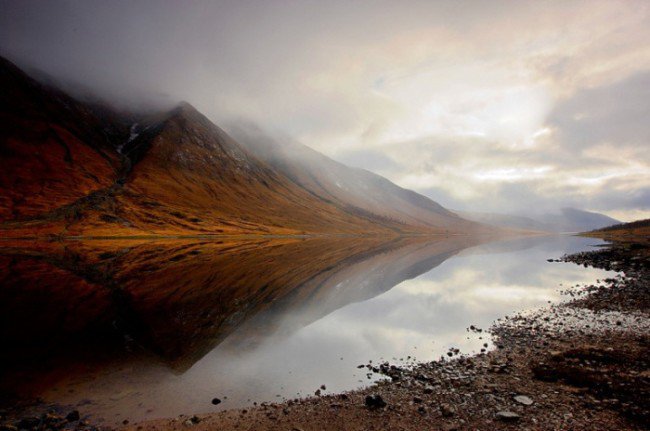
(613, 197)
(616, 113)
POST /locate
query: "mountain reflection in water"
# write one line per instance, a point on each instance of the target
(141, 329)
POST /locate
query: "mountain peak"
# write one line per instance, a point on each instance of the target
(187, 117)
(186, 108)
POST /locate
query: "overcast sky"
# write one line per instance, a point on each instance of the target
(481, 105)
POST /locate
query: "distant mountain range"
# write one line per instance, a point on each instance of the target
(568, 220)
(84, 169)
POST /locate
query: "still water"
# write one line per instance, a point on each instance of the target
(135, 330)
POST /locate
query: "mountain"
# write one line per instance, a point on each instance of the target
(350, 188)
(54, 150)
(83, 169)
(197, 179)
(507, 221)
(575, 220)
(568, 220)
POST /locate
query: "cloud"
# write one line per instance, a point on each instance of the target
(372, 160)
(489, 105)
(610, 114)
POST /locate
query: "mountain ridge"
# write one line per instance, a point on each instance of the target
(336, 182)
(568, 220)
(169, 173)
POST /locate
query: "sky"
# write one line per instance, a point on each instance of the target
(495, 106)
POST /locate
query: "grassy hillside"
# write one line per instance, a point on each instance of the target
(71, 168)
(636, 231)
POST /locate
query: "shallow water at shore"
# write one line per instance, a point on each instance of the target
(155, 329)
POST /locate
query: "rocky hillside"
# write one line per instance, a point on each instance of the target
(84, 169)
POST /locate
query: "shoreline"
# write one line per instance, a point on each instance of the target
(552, 369)
(579, 364)
(55, 238)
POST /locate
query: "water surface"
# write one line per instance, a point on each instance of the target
(134, 330)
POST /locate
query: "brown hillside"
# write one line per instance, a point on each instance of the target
(196, 177)
(350, 188)
(53, 150)
(633, 232)
(80, 169)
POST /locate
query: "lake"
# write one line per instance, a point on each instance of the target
(126, 329)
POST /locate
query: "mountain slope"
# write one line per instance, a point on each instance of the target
(348, 187)
(53, 149)
(635, 232)
(202, 179)
(81, 169)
